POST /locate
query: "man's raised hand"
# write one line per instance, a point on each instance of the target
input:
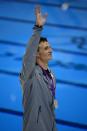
(40, 19)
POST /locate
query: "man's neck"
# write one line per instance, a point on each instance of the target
(43, 65)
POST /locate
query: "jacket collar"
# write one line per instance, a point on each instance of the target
(41, 73)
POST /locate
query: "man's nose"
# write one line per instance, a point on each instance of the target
(50, 49)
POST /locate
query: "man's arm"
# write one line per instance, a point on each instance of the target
(29, 59)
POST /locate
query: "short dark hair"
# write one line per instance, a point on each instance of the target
(42, 39)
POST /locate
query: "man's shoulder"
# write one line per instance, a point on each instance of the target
(37, 70)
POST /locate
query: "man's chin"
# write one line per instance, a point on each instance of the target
(50, 58)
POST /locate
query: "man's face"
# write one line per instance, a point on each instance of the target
(45, 52)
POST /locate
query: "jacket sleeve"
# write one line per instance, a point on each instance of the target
(29, 58)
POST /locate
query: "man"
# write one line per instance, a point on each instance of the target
(38, 82)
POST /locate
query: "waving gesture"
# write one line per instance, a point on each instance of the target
(40, 19)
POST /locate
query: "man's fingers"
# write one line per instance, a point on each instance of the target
(40, 19)
(37, 9)
(45, 15)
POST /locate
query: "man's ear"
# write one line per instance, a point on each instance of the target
(37, 55)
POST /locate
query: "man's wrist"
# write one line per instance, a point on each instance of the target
(39, 26)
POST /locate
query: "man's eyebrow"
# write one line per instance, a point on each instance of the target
(47, 46)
